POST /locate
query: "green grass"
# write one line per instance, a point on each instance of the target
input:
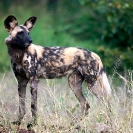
(60, 112)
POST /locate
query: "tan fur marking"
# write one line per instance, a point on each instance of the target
(15, 31)
(13, 24)
(56, 64)
(25, 28)
(97, 58)
(39, 49)
(9, 38)
(29, 25)
(24, 58)
(69, 54)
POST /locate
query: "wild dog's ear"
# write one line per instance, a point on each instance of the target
(30, 22)
(10, 23)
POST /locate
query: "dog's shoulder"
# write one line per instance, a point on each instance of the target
(35, 50)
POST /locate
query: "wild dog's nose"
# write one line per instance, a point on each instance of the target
(30, 40)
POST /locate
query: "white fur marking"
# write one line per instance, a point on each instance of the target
(45, 59)
(80, 69)
(29, 60)
(106, 84)
(56, 51)
(91, 72)
(69, 72)
(35, 61)
(12, 24)
(57, 47)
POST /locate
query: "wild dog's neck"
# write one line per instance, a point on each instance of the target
(16, 54)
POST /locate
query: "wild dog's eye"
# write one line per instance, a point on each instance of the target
(20, 33)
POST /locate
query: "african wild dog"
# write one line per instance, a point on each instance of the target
(31, 62)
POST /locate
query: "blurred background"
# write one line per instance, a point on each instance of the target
(102, 26)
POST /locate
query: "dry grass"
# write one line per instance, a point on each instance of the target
(59, 111)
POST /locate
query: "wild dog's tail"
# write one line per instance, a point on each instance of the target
(104, 89)
(104, 84)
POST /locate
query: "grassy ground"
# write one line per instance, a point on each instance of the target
(59, 110)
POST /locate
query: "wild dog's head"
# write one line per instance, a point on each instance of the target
(19, 34)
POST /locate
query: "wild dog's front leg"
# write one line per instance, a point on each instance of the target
(33, 85)
(30, 67)
(22, 92)
(22, 83)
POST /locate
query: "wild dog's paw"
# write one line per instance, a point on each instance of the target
(31, 124)
(16, 123)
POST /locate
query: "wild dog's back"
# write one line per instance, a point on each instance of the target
(51, 62)
(54, 62)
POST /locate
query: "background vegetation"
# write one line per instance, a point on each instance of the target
(104, 27)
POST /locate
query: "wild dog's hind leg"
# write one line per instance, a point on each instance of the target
(75, 82)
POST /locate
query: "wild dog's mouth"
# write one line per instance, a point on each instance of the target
(27, 45)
